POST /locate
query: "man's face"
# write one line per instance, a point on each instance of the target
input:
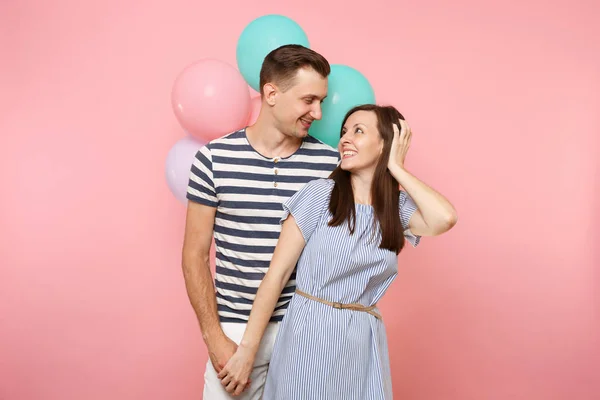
(297, 107)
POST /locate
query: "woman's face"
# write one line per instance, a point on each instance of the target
(360, 145)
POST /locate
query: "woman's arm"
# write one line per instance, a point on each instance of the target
(435, 214)
(289, 247)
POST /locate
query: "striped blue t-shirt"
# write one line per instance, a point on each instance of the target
(248, 190)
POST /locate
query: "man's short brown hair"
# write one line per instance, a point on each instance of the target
(281, 65)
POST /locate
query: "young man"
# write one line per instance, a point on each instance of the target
(236, 188)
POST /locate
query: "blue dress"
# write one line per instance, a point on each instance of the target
(322, 352)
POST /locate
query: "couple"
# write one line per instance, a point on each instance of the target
(276, 199)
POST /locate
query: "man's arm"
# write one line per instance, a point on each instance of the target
(199, 227)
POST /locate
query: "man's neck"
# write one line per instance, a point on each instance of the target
(270, 142)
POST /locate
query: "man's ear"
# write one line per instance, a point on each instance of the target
(270, 93)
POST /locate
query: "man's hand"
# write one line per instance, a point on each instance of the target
(235, 376)
(220, 351)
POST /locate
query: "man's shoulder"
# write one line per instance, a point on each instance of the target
(315, 149)
(313, 142)
(230, 146)
(233, 138)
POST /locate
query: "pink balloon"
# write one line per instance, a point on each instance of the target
(255, 105)
(210, 99)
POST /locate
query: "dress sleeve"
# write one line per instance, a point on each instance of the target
(308, 205)
(407, 209)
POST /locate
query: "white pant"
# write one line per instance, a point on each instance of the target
(214, 390)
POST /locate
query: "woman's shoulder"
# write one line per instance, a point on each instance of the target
(325, 183)
(321, 187)
(317, 189)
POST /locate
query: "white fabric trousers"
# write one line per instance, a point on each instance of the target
(214, 390)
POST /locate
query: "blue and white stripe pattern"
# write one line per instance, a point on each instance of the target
(248, 190)
(327, 353)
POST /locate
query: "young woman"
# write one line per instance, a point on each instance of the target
(344, 235)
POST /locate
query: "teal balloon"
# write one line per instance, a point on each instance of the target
(347, 88)
(259, 38)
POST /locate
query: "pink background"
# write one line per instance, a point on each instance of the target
(504, 102)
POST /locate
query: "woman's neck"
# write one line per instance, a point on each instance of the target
(361, 186)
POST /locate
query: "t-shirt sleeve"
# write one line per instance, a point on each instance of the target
(308, 205)
(407, 209)
(201, 187)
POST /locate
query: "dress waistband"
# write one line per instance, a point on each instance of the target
(342, 306)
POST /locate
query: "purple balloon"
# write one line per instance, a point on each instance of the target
(178, 164)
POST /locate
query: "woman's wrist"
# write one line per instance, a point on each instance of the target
(249, 346)
(397, 171)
